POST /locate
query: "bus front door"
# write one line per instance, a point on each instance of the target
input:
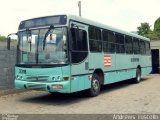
(79, 57)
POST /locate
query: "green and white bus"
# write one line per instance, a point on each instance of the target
(67, 53)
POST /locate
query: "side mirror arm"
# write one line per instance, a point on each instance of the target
(9, 40)
(8, 43)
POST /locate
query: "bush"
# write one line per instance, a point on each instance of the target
(2, 38)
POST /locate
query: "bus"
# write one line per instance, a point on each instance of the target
(67, 53)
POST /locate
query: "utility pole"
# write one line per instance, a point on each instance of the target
(79, 6)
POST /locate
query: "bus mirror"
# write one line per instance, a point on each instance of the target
(74, 26)
(8, 43)
(9, 40)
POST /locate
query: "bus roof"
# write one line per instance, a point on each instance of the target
(93, 23)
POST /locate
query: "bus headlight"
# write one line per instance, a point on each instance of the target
(53, 78)
(21, 77)
(18, 77)
(58, 78)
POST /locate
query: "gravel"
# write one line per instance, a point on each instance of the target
(120, 98)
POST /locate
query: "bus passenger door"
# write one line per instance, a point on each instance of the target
(79, 56)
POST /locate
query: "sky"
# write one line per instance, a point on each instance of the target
(122, 14)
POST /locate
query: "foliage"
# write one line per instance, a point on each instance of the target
(144, 29)
(153, 35)
(2, 38)
(157, 25)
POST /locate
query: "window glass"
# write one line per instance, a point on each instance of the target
(79, 40)
(91, 33)
(108, 41)
(95, 42)
(136, 48)
(79, 45)
(147, 46)
(111, 47)
(105, 35)
(98, 34)
(119, 38)
(142, 47)
(105, 46)
(95, 46)
(120, 48)
(128, 44)
(94, 33)
(111, 37)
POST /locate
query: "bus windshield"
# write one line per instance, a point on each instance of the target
(30, 46)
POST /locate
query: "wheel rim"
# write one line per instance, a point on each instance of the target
(138, 76)
(95, 85)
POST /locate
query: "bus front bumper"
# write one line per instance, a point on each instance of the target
(61, 87)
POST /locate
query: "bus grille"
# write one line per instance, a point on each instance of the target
(36, 86)
(37, 78)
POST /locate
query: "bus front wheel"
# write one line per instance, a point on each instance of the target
(95, 86)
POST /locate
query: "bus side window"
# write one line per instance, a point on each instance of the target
(111, 42)
(142, 47)
(119, 38)
(95, 39)
(147, 46)
(136, 47)
(128, 45)
(108, 41)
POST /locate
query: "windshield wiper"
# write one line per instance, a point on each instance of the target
(44, 40)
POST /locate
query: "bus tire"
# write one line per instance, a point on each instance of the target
(137, 79)
(95, 86)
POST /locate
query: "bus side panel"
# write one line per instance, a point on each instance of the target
(80, 83)
(146, 68)
(97, 61)
(124, 67)
(123, 61)
(78, 79)
(142, 61)
(67, 73)
(112, 77)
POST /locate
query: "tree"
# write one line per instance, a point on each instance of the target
(155, 34)
(2, 38)
(157, 25)
(144, 29)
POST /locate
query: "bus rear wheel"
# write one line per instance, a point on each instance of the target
(95, 86)
(137, 79)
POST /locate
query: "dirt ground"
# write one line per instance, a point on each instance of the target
(123, 97)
